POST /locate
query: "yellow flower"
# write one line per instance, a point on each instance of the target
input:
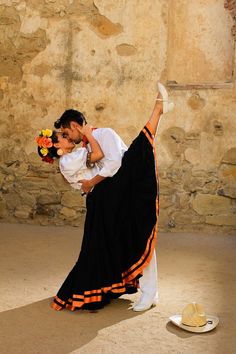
(44, 151)
(47, 132)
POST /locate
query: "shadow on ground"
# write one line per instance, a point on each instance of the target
(36, 328)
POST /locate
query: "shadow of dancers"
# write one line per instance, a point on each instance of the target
(36, 328)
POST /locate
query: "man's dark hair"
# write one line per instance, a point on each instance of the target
(71, 115)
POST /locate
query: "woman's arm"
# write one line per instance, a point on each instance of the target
(96, 153)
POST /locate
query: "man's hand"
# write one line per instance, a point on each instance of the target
(86, 185)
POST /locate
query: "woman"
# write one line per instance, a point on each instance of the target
(76, 165)
(121, 221)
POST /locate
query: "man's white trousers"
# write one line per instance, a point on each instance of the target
(148, 282)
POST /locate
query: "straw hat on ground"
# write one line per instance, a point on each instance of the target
(194, 319)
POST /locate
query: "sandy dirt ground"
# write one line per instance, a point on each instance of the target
(34, 261)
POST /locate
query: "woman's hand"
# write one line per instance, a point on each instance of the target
(86, 129)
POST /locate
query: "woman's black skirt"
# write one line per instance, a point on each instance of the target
(119, 233)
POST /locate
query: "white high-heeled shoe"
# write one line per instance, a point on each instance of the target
(167, 106)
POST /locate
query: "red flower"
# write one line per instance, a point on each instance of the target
(48, 159)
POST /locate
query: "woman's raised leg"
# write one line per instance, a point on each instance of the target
(162, 106)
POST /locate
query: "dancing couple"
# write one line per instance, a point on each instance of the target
(122, 198)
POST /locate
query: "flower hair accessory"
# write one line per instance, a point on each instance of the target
(44, 142)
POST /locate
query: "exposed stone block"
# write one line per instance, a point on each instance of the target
(211, 186)
(221, 220)
(3, 209)
(174, 139)
(22, 212)
(71, 199)
(68, 213)
(167, 187)
(2, 176)
(12, 200)
(35, 183)
(192, 155)
(193, 184)
(230, 157)
(21, 169)
(49, 198)
(228, 190)
(1, 94)
(227, 171)
(187, 217)
(206, 204)
(184, 199)
(167, 201)
(58, 183)
(227, 176)
(9, 17)
(21, 49)
(8, 184)
(27, 199)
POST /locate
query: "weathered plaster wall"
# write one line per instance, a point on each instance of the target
(104, 57)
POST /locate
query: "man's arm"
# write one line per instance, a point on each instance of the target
(88, 184)
(113, 148)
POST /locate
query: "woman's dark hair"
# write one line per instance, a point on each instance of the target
(52, 151)
(71, 115)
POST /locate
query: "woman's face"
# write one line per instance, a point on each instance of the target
(65, 144)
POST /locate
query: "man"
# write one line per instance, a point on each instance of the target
(71, 123)
(113, 147)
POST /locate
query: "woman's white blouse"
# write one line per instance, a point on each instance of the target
(73, 167)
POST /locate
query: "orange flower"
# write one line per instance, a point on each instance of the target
(44, 142)
(38, 140)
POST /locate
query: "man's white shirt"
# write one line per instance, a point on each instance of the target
(73, 165)
(113, 149)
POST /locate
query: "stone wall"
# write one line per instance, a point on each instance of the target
(104, 57)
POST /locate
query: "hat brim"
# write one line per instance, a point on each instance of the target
(212, 322)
